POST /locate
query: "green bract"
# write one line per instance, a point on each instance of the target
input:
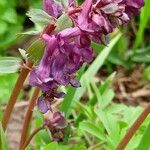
(38, 16)
(9, 64)
(63, 22)
(36, 50)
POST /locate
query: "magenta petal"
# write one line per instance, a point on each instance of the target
(70, 33)
(75, 83)
(58, 120)
(135, 3)
(86, 8)
(42, 104)
(53, 8)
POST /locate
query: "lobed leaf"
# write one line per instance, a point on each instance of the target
(9, 64)
(38, 16)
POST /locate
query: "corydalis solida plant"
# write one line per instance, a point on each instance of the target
(67, 50)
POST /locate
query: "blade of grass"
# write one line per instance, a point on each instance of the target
(3, 142)
(145, 143)
(144, 18)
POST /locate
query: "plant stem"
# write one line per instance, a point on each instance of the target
(31, 136)
(19, 84)
(28, 117)
(133, 128)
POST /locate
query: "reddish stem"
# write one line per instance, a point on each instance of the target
(133, 128)
(28, 117)
(74, 11)
(19, 84)
(49, 29)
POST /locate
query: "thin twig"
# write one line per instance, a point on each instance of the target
(19, 84)
(133, 128)
(28, 117)
(27, 142)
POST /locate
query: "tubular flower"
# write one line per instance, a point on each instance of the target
(63, 56)
(67, 50)
(53, 8)
(104, 16)
(56, 124)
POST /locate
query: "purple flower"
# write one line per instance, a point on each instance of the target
(43, 105)
(68, 50)
(44, 102)
(133, 7)
(53, 8)
(64, 55)
(104, 16)
(57, 120)
(56, 124)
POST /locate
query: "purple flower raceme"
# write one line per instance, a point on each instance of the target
(104, 16)
(64, 55)
(66, 51)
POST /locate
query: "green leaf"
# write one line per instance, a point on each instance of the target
(29, 33)
(144, 19)
(101, 90)
(10, 15)
(38, 16)
(65, 3)
(92, 129)
(7, 82)
(3, 27)
(145, 143)
(63, 22)
(106, 84)
(39, 118)
(78, 147)
(3, 142)
(36, 50)
(110, 124)
(52, 146)
(9, 64)
(107, 97)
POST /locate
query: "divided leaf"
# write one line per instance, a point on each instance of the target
(92, 129)
(38, 16)
(63, 22)
(9, 64)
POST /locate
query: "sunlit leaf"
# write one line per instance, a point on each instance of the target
(9, 64)
(38, 16)
(3, 142)
(36, 50)
(63, 22)
(92, 129)
(51, 146)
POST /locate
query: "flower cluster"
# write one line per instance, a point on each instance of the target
(66, 51)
